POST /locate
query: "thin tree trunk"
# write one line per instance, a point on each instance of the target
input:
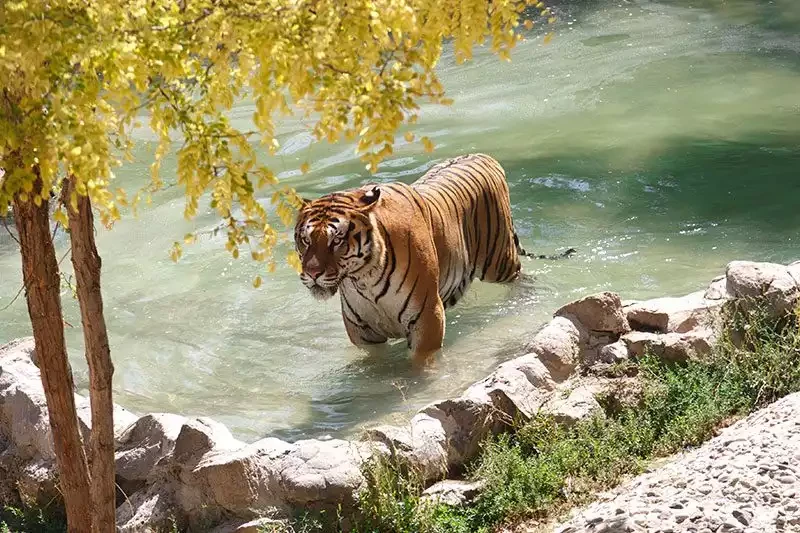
(42, 291)
(86, 263)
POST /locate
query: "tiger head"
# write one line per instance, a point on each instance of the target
(335, 237)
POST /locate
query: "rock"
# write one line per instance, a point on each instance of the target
(149, 511)
(422, 445)
(398, 440)
(430, 449)
(670, 315)
(123, 418)
(579, 405)
(534, 370)
(639, 342)
(24, 421)
(164, 442)
(259, 525)
(466, 422)
(512, 392)
(200, 436)
(614, 353)
(557, 346)
(231, 484)
(22, 347)
(323, 471)
(718, 289)
(151, 438)
(775, 284)
(671, 346)
(453, 492)
(36, 482)
(27, 456)
(598, 312)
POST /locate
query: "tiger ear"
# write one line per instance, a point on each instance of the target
(371, 196)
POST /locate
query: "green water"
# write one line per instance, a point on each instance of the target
(660, 139)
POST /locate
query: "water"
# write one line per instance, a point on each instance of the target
(660, 139)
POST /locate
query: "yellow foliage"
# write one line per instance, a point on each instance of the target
(77, 76)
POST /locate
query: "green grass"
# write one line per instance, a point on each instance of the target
(543, 468)
(31, 520)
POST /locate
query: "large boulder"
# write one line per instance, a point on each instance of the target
(558, 346)
(671, 346)
(674, 315)
(209, 479)
(515, 389)
(572, 406)
(601, 312)
(466, 423)
(27, 456)
(150, 439)
(776, 285)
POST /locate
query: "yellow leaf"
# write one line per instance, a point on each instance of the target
(551, 20)
(61, 217)
(548, 38)
(528, 24)
(409, 136)
(305, 167)
(427, 144)
(257, 282)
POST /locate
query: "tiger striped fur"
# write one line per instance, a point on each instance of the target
(400, 254)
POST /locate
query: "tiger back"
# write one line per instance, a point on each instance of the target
(471, 222)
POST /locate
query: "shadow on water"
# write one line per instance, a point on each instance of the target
(734, 182)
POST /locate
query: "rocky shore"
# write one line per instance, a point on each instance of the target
(193, 471)
(746, 480)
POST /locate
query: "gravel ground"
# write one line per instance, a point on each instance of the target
(745, 480)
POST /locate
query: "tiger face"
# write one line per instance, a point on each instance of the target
(334, 237)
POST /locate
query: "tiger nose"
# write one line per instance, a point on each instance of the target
(314, 269)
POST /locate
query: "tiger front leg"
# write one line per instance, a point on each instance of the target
(426, 334)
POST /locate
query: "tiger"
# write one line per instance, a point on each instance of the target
(400, 254)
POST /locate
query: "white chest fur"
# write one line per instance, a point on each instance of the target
(361, 296)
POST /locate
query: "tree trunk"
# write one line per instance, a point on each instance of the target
(42, 291)
(86, 263)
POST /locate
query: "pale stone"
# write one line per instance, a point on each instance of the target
(769, 282)
(579, 405)
(557, 346)
(598, 312)
(453, 492)
(674, 315)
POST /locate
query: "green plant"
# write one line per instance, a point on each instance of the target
(31, 520)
